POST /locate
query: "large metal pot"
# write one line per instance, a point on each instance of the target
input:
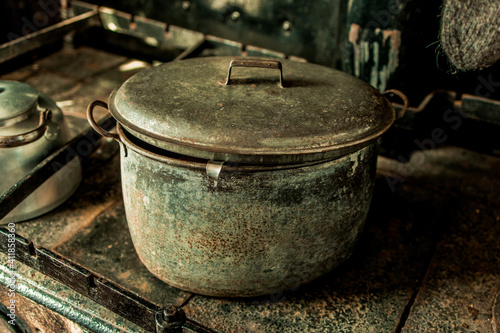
(242, 186)
(31, 128)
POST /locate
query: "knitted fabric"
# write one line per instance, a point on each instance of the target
(470, 33)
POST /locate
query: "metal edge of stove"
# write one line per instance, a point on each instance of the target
(71, 309)
(75, 283)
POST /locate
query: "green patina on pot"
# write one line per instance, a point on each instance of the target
(295, 169)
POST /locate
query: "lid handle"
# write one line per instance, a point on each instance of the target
(273, 64)
(403, 97)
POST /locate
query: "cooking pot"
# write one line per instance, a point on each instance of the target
(250, 182)
(31, 128)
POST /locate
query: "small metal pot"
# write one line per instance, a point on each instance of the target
(31, 128)
(241, 186)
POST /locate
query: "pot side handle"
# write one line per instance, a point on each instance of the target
(93, 123)
(403, 97)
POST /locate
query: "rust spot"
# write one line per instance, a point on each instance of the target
(473, 312)
(226, 241)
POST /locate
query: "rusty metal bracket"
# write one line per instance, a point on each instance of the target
(170, 320)
(213, 170)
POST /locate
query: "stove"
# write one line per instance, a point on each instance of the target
(428, 259)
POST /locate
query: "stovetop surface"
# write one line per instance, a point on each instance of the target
(428, 259)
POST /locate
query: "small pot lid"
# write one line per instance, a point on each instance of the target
(17, 100)
(187, 107)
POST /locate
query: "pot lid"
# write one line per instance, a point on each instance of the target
(189, 107)
(17, 100)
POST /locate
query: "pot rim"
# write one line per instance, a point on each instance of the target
(201, 164)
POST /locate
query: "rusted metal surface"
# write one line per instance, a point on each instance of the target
(83, 281)
(463, 277)
(170, 320)
(429, 223)
(22, 45)
(32, 317)
(321, 113)
(114, 297)
(144, 38)
(106, 247)
(109, 251)
(52, 294)
(370, 292)
(260, 230)
(223, 242)
(366, 294)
